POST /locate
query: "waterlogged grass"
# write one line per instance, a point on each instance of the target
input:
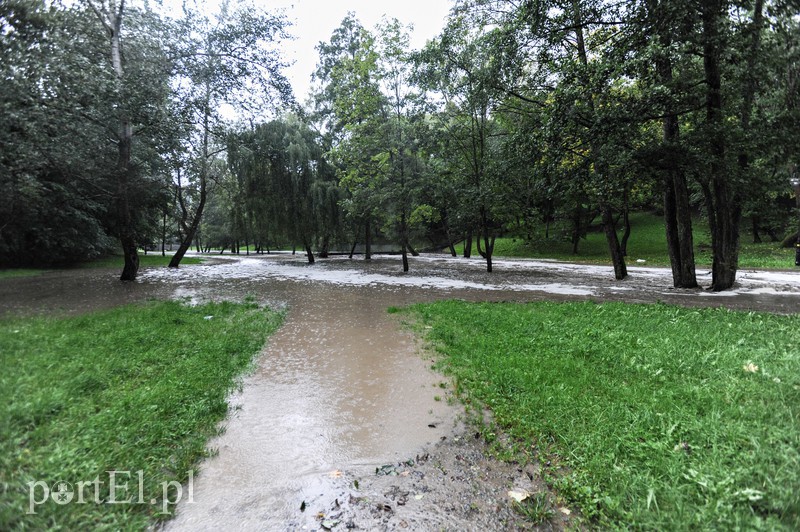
(115, 261)
(647, 242)
(137, 390)
(654, 417)
(19, 272)
(151, 260)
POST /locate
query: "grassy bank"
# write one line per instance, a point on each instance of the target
(654, 417)
(138, 388)
(10, 273)
(647, 242)
(114, 261)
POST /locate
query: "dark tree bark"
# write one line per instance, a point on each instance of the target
(111, 18)
(617, 258)
(677, 211)
(367, 241)
(723, 204)
(626, 233)
(324, 249)
(468, 246)
(488, 241)
(754, 226)
(309, 253)
(577, 227)
(191, 229)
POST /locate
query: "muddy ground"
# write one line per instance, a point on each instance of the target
(343, 424)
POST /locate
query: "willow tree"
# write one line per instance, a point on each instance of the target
(281, 161)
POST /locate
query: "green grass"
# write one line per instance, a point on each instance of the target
(647, 242)
(10, 273)
(137, 388)
(648, 413)
(152, 260)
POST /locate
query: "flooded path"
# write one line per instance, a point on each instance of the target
(341, 388)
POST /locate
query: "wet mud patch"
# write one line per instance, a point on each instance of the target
(454, 485)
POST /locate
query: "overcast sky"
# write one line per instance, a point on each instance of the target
(315, 20)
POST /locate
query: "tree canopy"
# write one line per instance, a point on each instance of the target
(517, 116)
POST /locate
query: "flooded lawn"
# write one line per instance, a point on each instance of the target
(341, 388)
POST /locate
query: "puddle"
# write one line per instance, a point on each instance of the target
(340, 387)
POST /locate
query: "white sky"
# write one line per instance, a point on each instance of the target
(315, 20)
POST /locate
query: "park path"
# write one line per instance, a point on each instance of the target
(339, 389)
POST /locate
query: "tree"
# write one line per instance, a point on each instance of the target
(282, 160)
(459, 67)
(231, 60)
(65, 173)
(351, 107)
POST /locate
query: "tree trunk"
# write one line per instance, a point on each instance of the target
(191, 230)
(626, 233)
(577, 221)
(677, 211)
(111, 20)
(353, 249)
(325, 247)
(724, 207)
(405, 256)
(617, 258)
(449, 237)
(131, 255)
(309, 253)
(754, 226)
(164, 236)
(367, 242)
(468, 246)
(488, 241)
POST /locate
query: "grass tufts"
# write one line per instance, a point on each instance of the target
(654, 416)
(137, 388)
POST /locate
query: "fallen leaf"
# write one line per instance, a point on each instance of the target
(519, 495)
(565, 511)
(750, 367)
(335, 473)
(418, 496)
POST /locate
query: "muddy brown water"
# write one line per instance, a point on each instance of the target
(342, 387)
